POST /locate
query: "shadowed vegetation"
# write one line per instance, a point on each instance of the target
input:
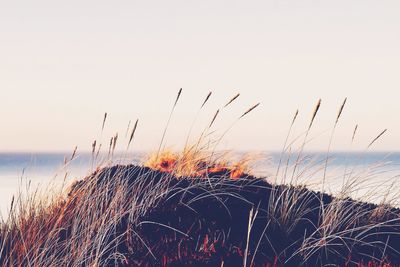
(196, 207)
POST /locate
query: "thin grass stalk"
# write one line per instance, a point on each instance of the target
(346, 166)
(168, 121)
(285, 143)
(104, 121)
(231, 100)
(314, 114)
(231, 126)
(376, 138)
(204, 133)
(330, 143)
(195, 119)
(127, 129)
(132, 133)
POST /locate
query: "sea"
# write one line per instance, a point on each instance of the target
(368, 176)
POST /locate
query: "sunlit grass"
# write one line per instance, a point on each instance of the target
(121, 214)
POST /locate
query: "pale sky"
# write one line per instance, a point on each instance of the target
(64, 63)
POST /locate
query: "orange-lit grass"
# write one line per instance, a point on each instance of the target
(190, 163)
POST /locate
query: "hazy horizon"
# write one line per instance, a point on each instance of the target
(65, 64)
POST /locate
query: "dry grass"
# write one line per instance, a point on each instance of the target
(99, 221)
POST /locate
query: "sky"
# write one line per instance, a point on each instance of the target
(64, 63)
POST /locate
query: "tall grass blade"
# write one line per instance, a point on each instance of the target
(169, 119)
(104, 121)
(376, 138)
(232, 99)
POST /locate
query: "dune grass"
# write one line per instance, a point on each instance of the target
(197, 206)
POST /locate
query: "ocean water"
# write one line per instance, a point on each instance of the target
(28, 172)
(370, 174)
